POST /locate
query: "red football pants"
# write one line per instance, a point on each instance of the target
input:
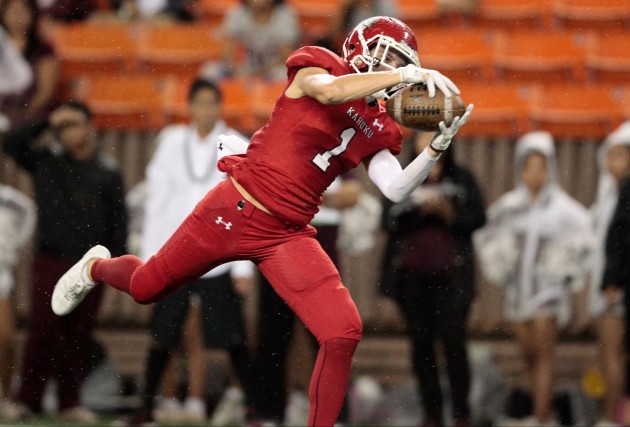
(225, 227)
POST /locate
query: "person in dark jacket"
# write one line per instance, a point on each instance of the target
(429, 271)
(80, 198)
(616, 278)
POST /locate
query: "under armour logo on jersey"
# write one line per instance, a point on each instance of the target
(378, 125)
(228, 225)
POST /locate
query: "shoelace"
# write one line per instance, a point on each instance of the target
(77, 288)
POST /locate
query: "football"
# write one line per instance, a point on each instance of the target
(411, 107)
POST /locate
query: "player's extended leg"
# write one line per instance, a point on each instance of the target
(203, 241)
(303, 275)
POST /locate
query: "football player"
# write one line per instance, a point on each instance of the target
(324, 123)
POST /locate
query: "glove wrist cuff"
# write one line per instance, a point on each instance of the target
(438, 150)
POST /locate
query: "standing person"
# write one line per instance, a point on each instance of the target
(322, 126)
(17, 220)
(20, 20)
(616, 276)
(80, 199)
(182, 170)
(606, 305)
(539, 237)
(430, 272)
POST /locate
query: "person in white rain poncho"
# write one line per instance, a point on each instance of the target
(17, 221)
(614, 164)
(535, 245)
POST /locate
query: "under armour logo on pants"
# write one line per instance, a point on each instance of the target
(228, 225)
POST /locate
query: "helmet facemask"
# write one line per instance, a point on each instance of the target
(385, 37)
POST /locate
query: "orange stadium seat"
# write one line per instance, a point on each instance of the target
(264, 96)
(575, 111)
(123, 101)
(459, 53)
(420, 14)
(589, 14)
(513, 14)
(237, 103)
(89, 47)
(530, 56)
(622, 94)
(174, 99)
(608, 57)
(500, 110)
(178, 49)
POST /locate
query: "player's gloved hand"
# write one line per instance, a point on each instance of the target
(412, 74)
(442, 140)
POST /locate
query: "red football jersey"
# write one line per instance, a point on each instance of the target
(293, 159)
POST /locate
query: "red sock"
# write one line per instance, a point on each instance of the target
(116, 272)
(329, 382)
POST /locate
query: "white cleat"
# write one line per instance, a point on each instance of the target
(72, 287)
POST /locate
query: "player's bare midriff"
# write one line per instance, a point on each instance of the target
(249, 197)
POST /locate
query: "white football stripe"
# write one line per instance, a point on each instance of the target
(448, 110)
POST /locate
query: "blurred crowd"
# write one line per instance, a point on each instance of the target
(536, 243)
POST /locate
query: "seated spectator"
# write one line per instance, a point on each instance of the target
(19, 18)
(351, 12)
(267, 31)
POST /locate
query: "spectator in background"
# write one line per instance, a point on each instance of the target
(536, 244)
(429, 271)
(19, 18)
(616, 274)
(15, 73)
(74, 186)
(351, 12)
(181, 172)
(607, 308)
(154, 10)
(17, 220)
(67, 10)
(276, 320)
(267, 31)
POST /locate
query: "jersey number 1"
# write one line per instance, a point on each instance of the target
(322, 160)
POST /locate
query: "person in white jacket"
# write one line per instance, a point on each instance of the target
(536, 244)
(607, 312)
(183, 169)
(15, 72)
(17, 222)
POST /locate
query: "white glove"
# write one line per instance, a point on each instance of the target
(442, 140)
(412, 74)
